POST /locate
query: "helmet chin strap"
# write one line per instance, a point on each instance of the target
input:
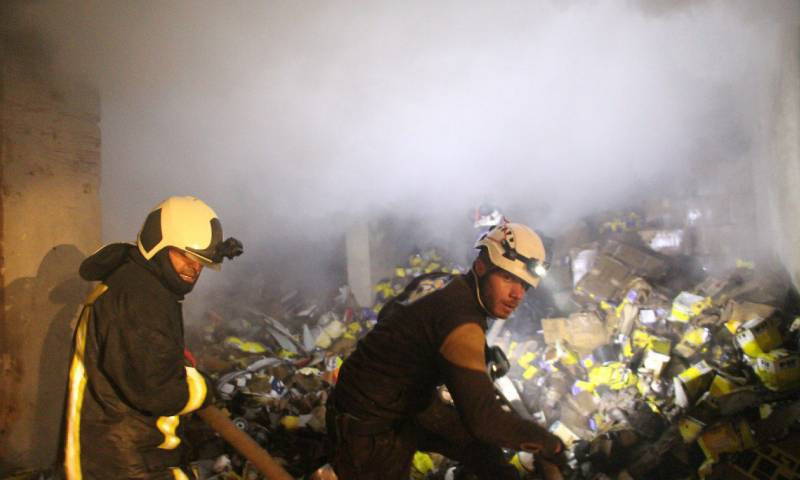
(478, 290)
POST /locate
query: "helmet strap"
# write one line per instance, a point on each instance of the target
(169, 277)
(479, 279)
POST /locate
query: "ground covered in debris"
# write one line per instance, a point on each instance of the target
(647, 365)
(645, 362)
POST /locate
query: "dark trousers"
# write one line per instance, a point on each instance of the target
(372, 451)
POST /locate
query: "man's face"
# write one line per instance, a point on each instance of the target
(187, 268)
(502, 293)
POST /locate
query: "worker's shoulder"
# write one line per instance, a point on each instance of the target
(453, 301)
(429, 288)
(134, 282)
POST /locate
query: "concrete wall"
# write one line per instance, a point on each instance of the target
(778, 180)
(49, 216)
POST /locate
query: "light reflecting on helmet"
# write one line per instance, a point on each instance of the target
(516, 249)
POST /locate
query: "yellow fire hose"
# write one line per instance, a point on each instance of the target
(243, 444)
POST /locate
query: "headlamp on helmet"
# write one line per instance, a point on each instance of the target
(535, 266)
(516, 249)
(188, 224)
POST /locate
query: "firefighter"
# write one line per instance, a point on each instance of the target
(131, 378)
(385, 405)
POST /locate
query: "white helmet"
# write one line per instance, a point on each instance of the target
(185, 223)
(489, 220)
(488, 216)
(516, 249)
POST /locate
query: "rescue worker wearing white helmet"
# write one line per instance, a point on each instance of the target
(385, 405)
(131, 378)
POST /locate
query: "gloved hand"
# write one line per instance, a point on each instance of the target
(211, 391)
(554, 451)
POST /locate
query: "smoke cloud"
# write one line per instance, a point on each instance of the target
(294, 119)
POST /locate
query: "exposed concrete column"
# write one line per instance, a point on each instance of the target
(49, 221)
(359, 275)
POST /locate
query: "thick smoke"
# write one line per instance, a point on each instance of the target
(294, 119)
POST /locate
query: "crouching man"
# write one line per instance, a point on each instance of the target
(385, 405)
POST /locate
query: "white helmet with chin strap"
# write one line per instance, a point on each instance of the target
(516, 249)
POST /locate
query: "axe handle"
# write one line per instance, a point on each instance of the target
(243, 443)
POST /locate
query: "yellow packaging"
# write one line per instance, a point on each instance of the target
(530, 372)
(693, 340)
(526, 361)
(758, 336)
(688, 305)
(588, 362)
(692, 383)
(247, 347)
(565, 355)
(421, 465)
(690, 428)
(523, 462)
(290, 422)
(728, 437)
(354, 328)
(640, 339)
(582, 386)
(779, 369)
(615, 375)
(721, 386)
(627, 348)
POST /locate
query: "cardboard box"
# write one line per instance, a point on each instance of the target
(779, 369)
(605, 281)
(758, 336)
(640, 263)
(583, 331)
(736, 314)
(586, 331)
(554, 329)
(692, 382)
(687, 305)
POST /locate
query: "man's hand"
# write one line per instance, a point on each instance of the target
(553, 450)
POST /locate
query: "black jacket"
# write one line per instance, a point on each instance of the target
(396, 368)
(137, 381)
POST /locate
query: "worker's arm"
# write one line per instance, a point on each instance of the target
(143, 357)
(462, 359)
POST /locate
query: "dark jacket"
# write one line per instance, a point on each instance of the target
(137, 382)
(395, 369)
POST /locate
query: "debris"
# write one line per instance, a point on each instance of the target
(652, 368)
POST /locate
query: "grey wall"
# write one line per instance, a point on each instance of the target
(777, 171)
(50, 211)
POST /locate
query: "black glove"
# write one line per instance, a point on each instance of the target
(497, 362)
(554, 451)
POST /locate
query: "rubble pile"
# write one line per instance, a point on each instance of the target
(657, 370)
(272, 373)
(646, 367)
(273, 370)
